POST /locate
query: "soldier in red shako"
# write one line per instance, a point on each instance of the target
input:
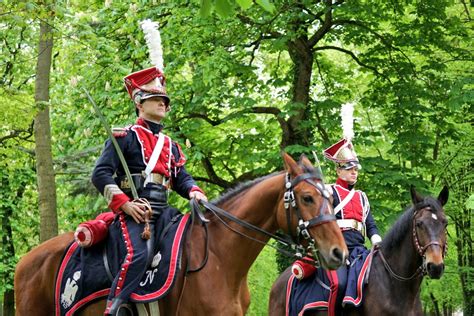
(156, 164)
(351, 207)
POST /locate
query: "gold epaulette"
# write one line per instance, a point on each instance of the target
(119, 131)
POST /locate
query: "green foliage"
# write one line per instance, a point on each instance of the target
(261, 277)
(226, 8)
(232, 77)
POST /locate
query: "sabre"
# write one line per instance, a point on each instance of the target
(319, 165)
(116, 145)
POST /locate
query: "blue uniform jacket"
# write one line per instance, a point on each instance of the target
(108, 166)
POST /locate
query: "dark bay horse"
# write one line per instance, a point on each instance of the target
(415, 246)
(220, 287)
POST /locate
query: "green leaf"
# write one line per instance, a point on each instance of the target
(224, 8)
(267, 5)
(206, 8)
(470, 202)
(244, 4)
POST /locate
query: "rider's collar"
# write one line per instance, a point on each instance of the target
(344, 184)
(154, 127)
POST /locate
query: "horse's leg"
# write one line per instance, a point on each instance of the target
(244, 295)
(34, 277)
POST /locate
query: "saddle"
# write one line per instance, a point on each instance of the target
(86, 274)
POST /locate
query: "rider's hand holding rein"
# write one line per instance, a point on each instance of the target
(135, 210)
(198, 196)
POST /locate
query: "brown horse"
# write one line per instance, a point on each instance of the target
(414, 246)
(220, 287)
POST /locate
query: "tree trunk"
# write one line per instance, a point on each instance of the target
(302, 57)
(7, 242)
(435, 304)
(9, 253)
(42, 131)
(8, 303)
(465, 249)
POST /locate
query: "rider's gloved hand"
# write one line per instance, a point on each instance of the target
(197, 195)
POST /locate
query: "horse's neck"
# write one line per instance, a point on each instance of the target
(257, 206)
(404, 260)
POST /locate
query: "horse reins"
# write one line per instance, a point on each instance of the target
(421, 250)
(289, 202)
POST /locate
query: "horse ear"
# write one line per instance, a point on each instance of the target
(290, 164)
(304, 161)
(415, 197)
(443, 195)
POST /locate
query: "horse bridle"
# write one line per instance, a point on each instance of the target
(289, 202)
(421, 250)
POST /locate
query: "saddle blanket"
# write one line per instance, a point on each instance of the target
(82, 276)
(320, 290)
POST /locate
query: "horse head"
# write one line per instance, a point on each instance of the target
(429, 230)
(306, 213)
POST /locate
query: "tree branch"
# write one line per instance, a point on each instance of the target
(466, 9)
(320, 128)
(321, 76)
(213, 177)
(325, 27)
(285, 128)
(17, 133)
(384, 41)
(354, 57)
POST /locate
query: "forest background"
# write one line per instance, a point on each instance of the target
(246, 81)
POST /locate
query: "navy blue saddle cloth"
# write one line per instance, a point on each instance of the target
(316, 293)
(82, 276)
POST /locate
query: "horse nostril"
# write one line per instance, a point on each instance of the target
(338, 254)
(435, 270)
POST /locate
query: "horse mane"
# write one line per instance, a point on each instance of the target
(403, 225)
(241, 187)
(399, 230)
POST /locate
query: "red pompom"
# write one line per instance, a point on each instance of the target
(302, 269)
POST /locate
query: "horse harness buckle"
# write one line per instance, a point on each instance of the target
(303, 229)
(289, 199)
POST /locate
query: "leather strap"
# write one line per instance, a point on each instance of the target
(106, 263)
(156, 154)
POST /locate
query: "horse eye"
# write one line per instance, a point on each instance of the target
(419, 224)
(308, 199)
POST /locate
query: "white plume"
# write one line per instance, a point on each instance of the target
(153, 41)
(347, 120)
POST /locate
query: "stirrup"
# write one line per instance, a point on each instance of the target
(117, 307)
